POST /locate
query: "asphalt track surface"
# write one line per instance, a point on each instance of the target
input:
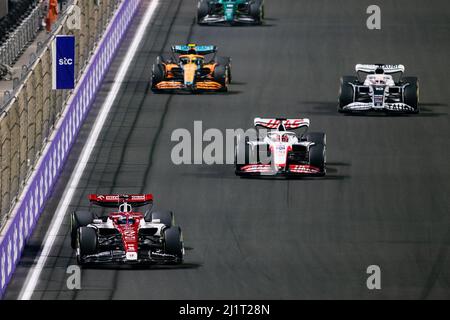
(384, 202)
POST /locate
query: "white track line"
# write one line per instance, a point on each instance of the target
(35, 272)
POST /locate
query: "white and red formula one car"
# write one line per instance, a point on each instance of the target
(280, 152)
(126, 236)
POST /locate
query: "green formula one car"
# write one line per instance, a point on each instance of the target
(230, 12)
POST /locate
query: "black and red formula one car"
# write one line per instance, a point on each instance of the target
(124, 235)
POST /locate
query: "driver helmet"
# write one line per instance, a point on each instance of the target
(124, 220)
(274, 137)
(379, 70)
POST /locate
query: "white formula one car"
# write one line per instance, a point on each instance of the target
(379, 87)
(279, 152)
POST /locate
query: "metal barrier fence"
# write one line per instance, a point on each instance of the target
(40, 184)
(33, 107)
(23, 35)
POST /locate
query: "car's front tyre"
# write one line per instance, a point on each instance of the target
(173, 243)
(346, 92)
(411, 93)
(202, 10)
(220, 76)
(241, 153)
(87, 243)
(257, 11)
(317, 152)
(225, 61)
(158, 73)
(79, 219)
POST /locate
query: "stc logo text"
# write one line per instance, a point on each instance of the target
(65, 61)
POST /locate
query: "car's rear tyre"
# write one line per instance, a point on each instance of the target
(317, 152)
(346, 92)
(164, 216)
(173, 242)
(411, 93)
(202, 10)
(316, 137)
(257, 11)
(226, 61)
(79, 219)
(220, 76)
(87, 243)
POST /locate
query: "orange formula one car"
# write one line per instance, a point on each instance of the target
(190, 71)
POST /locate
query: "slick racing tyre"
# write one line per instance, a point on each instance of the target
(411, 93)
(220, 76)
(164, 217)
(87, 243)
(79, 219)
(225, 61)
(257, 11)
(173, 242)
(241, 153)
(158, 73)
(346, 92)
(317, 152)
(202, 10)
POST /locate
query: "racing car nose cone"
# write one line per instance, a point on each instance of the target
(189, 74)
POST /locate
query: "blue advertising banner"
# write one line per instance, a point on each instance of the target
(64, 62)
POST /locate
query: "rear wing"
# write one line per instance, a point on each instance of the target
(194, 49)
(113, 201)
(281, 124)
(388, 68)
(396, 70)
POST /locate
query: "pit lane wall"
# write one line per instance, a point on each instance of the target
(31, 202)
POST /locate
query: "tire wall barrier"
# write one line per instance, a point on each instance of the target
(25, 126)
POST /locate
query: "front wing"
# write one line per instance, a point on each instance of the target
(120, 257)
(239, 19)
(269, 170)
(172, 85)
(386, 107)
